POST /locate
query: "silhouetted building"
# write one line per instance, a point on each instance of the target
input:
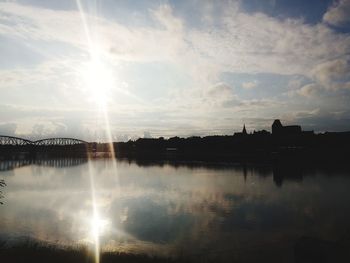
(279, 129)
(243, 133)
(262, 132)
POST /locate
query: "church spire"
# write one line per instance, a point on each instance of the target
(244, 130)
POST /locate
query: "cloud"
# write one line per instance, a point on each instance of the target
(309, 90)
(263, 103)
(237, 45)
(220, 95)
(8, 129)
(258, 43)
(333, 74)
(231, 41)
(164, 15)
(249, 84)
(30, 23)
(220, 90)
(329, 76)
(147, 134)
(320, 120)
(338, 14)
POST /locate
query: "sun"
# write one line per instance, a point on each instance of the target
(99, 81)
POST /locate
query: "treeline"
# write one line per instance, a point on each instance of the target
(258, 146)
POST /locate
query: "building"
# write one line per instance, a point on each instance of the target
(262, 132)
(279, 129)
(243, 133)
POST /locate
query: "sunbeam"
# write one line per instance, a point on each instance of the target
(95, 216)
(99, 81)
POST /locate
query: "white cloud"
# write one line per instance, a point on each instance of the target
(309, 90)
(232, 41)
(220, 90)
(333, 74)
(258, 43)
(242, 43)
(249, 84)
(338, 14)
(147, 134)
(31, 23)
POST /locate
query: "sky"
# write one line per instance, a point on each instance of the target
(112, 69)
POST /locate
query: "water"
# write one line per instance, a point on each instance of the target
(220, 212)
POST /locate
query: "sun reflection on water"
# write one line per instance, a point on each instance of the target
(99, 82)
(99, 226)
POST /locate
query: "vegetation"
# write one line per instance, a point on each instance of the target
(2, 184)
(32, 251)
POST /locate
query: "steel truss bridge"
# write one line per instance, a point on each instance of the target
(15, 141)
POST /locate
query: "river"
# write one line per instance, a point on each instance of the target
(218, 211)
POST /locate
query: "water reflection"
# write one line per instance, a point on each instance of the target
(222, 212)
(287, 172)
(7, 165)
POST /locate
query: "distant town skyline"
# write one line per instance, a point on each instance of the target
(101, 70)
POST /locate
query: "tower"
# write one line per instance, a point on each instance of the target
(277, 127)
(244, 131)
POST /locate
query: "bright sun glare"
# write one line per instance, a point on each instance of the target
(99, 81)
(98, 226)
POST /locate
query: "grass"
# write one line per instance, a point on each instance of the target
(30, 251)
(2, 184)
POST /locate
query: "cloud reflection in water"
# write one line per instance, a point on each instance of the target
(173, 210)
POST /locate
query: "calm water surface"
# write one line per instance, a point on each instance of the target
(219, 211)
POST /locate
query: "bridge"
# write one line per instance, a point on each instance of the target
(16, 141)
(59, 141)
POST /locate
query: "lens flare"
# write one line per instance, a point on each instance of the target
(95, 215)
(99, 81)
(98, 226)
